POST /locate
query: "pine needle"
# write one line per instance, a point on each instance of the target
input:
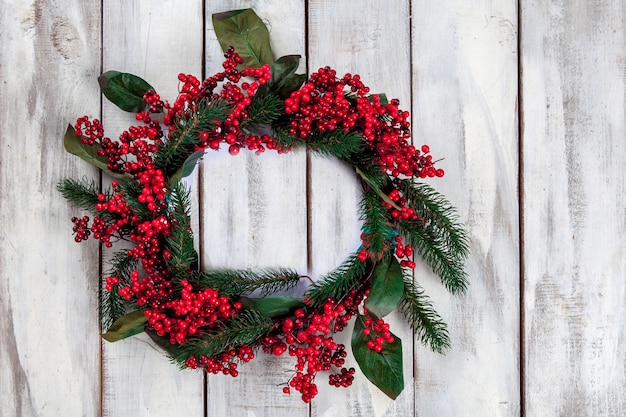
(235, 282)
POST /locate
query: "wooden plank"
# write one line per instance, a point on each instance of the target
(49, 348)
(253, 215)
(464, 96)
(373, 41)
(155, 40)
(574, 198)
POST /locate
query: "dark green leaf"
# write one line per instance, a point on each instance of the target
(128, 325)
(187, 168)
(284, 79)
(87, 153)
(387, 288)
(272, 306)
(383, 369)
(290, 84)
(124, 90)
(246, 32)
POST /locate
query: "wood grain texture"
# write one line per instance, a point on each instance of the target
(574, 199)
(253, 215)
(373, 41)
(49, 343)
(464, 96)
(156, 41)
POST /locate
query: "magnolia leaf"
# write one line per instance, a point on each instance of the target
(126, 326)
(246, 32)
(284, 78)
(124, 90)
(383, 369)
(187, 168)
(387, 288)
(89, 153)
(272, 306)
(290, 84)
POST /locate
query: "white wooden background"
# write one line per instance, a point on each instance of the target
(524, 99)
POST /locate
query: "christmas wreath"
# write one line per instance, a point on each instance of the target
(215, 319)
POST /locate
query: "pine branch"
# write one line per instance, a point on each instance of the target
(243, 329)
(182, 140)
(447, 264)
(426, 323)
(83, 193)
(111, 305)
(437, 215)
(264, 110)
(235, 282)
(330, 143)
(338, 282)
(132, 190)
(375, 218)
(180, 240)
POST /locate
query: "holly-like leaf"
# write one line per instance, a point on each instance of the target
(383, 369)
(272, 306)
(246, 32)
(126, 326)
(89, 153)
(124, 90)
(187, 168)
(387, 288)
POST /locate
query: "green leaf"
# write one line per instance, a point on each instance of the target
(383, 369)
(272, 306)
(387, 288)
(124, 90)
(284, 79)
(89, 153)
(246, 32)
(290, 84)
(187, 168)
(126, 326)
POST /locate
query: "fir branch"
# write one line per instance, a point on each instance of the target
(132, 190)
(83, 193)
(180, 242)
(235, 282)
(243, 329)
(375, 220)
(329, 143)
(112, 306)
(437, 215)
(264, 110)
(182, 140)
(338, 282)
(433, 249)
(426, 323)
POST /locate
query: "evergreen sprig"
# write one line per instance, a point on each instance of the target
(247, 327)
(132, 190)
(433, 249)
(264, 110)
(376, 222)
(180, 240)
(437, 215)
(112, 305)
(424, 320)
(339, 282)
(182, 140)
(84, 193)
(329, 143)
(235, 282)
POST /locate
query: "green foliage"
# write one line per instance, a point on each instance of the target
(174, 151)
(334, 143)
(83, 193)
(180, 240)
(387, 288)
(426, 323)
(235, 282)
(132, 190)
(129, 325)
(264, 109)
(383, 369)
(244, 328)
(124, 90)
(187, 168)
(246, 32)
(275, 306)
(376, 223)
(284, 78)
(112, 306)
(338, 282)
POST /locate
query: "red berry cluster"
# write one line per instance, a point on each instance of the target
(308, 338)
(378, 333)
(194, 310)
(223, 363)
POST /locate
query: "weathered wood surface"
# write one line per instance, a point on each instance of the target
(542, 329)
